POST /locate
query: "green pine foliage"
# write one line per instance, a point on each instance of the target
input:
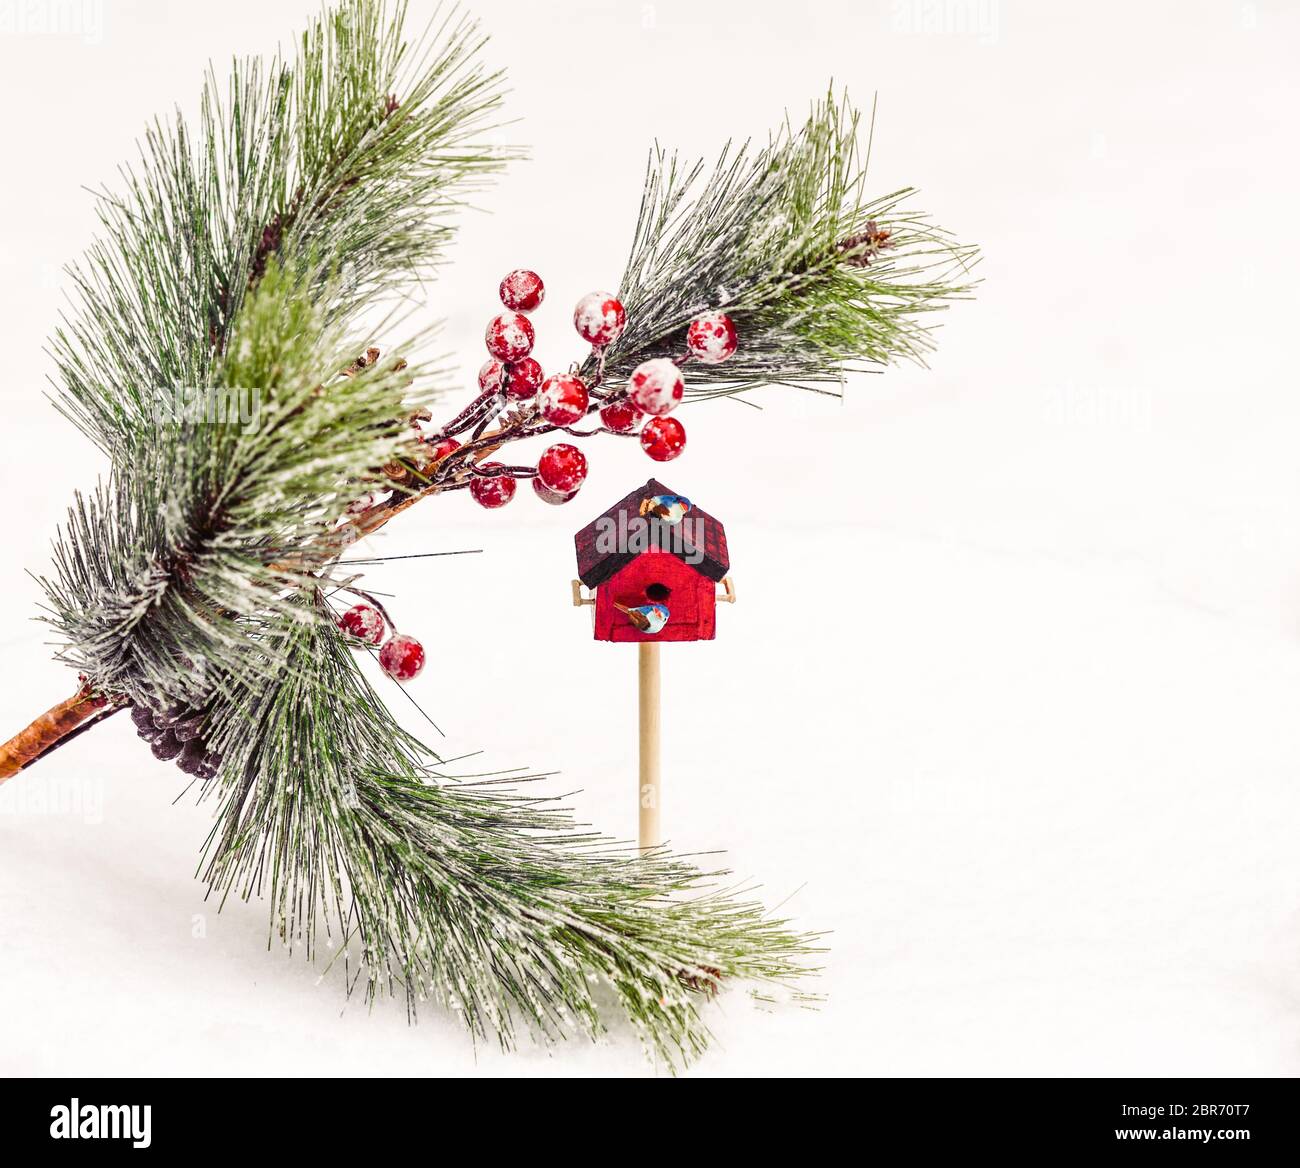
(180, 574)
(482, 900)
(198, 574)
(786, 241)
(349, 157)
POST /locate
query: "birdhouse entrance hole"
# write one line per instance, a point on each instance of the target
(659, 593)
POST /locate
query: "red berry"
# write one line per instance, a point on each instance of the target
(621, 416)
(509, 336)
(522, 290)
(492, 491)
(711, 338)
(489, 375)
(599, 318)
(364, 623)
(563, 399)
(663, 439)
(402, 657)
(656, 387)
(562, 467)
(547, 495)
(525, 377)
(439, 449)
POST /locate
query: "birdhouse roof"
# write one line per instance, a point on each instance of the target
(699, 541)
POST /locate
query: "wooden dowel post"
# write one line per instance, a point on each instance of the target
(648, 789)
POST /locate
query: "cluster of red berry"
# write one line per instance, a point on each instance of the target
(401, 656)
(511, 374)
(653, 391)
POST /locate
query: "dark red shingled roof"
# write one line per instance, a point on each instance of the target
(595, 567)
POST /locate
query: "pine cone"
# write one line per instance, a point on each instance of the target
(860, 249)
(175, 733)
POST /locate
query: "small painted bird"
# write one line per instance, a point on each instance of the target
(646, 618)
(670, 508)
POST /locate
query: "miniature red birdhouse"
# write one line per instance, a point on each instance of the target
(654, 560)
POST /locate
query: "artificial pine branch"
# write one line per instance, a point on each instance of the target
(191, 585)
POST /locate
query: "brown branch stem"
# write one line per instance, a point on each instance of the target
(49, 729)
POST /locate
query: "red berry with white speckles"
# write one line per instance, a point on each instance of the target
(524, 377)
(711, 338)
(543, 492)
(524, 380)
(562, 467)
(492, 491)
(663, 439)
(656, 387)
(509, 336)
(522, 290)
(621, 416)
(364, 623)
(489, 375)
(599, 318)
(439, 449)
(402, 657)
(563, 399)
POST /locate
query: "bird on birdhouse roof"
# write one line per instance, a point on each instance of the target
(671, 509)
(702, 544)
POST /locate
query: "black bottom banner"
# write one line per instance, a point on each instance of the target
(295, 1117)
